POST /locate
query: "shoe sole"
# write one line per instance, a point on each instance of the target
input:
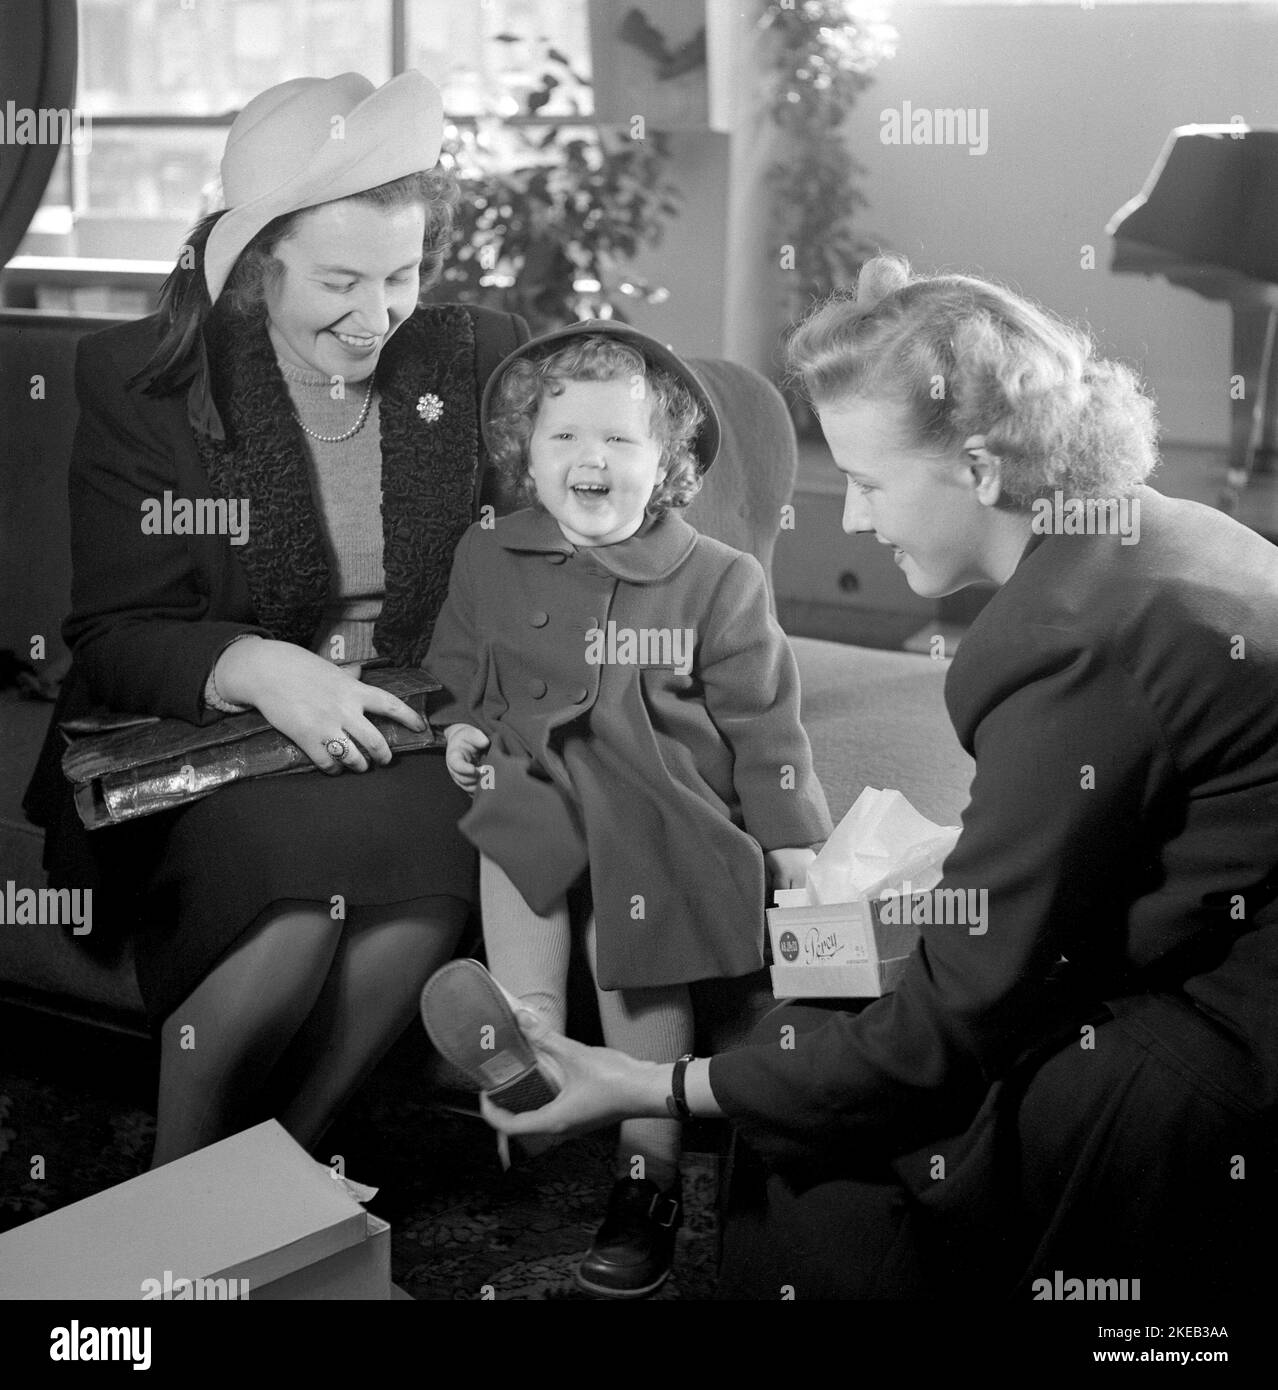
(600, 1291)
(464, 1010)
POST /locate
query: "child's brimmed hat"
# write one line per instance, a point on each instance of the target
(705, 445)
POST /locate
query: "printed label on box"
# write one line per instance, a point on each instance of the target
(836, 950)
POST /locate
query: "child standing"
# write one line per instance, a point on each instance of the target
(624, 708)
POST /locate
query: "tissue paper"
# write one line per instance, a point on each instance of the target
(881, 842)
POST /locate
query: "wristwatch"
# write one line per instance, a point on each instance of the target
(677, 1100)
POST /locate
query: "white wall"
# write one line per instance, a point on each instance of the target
(689, 262)
(1079, 103)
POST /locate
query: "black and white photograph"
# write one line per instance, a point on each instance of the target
(810, 465)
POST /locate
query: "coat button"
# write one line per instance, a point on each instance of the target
(580, 695)
(537, 688)
(556, 557)
(539, 619)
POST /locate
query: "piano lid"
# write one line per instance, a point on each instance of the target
(1207, 217)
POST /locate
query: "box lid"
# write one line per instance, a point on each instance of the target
(255, 1206)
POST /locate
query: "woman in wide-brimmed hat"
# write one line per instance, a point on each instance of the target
(284, 926)
(1083, 1084)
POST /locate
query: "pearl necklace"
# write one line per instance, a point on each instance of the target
(350, 433)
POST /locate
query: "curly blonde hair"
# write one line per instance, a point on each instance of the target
(674, 421)
(967, 357)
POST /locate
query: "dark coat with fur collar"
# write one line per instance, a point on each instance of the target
(151, 613)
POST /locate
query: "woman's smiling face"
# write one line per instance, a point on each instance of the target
(350, 278)
(932, 509)
(594, 461)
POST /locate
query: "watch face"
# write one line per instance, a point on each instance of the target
(789, 944)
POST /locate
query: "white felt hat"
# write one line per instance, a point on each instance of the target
(312, 140)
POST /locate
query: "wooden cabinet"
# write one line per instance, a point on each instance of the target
(818, 562)
(844, 588)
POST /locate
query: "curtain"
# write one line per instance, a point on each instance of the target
(37, 70)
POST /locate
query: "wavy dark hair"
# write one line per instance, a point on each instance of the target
(185, 307)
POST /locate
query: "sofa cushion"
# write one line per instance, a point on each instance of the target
(41, 960)
(878, 719)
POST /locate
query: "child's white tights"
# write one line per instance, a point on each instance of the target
(529, 955)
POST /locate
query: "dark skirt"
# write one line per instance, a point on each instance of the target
(207, 870)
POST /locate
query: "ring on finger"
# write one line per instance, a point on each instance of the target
(337, 748)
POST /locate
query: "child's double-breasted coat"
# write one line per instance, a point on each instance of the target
(667, 783)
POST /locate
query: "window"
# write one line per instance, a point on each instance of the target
(161, 81)
(461, 48)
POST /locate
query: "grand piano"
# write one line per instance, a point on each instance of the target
(1207, 219)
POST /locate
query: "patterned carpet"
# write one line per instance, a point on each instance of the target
(461, 1228)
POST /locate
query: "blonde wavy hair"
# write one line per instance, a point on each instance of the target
(967, 357)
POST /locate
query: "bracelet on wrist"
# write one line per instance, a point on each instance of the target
(213, 697)
(677, 1100)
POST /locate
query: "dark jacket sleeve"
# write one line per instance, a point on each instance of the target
(1070, 768)
(138, 627)
(751, 685)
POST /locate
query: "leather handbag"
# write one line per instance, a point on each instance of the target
(126, 766)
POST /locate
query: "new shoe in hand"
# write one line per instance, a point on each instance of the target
(471, 1021)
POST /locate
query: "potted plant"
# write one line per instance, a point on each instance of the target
(817, 57)
(553, 209)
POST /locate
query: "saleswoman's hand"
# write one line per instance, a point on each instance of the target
(312, 701)
(787, 868)
(597, 1086)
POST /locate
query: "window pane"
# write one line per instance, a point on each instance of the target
(160, 57)
(153, 171)
(457, 46)
(57, 192)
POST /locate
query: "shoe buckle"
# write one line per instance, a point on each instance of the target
(671, 1216)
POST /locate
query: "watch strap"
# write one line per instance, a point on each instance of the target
(677, 1100)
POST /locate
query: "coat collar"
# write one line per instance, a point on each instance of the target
(429, 472)
(653, 553)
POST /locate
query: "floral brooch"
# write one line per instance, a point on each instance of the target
(429, 407)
